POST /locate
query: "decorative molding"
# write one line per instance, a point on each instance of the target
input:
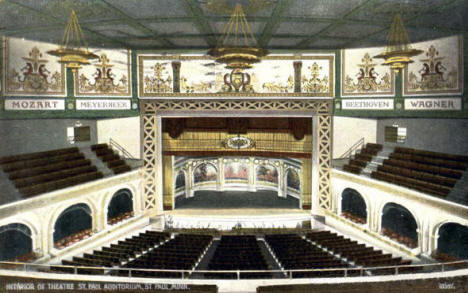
(201, 77)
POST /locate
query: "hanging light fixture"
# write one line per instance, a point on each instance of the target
(73, 51)
(239, 50)
(398, 52)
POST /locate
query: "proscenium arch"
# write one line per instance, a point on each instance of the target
(81, 209)
(353, 202)
(153, 109)
(264, 165)
(287, 172)
(123, 198)
(16, 239)
(180, 173)
(405, 221)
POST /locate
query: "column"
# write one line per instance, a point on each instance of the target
(252, 175)
(168, 182)
(279, 167)
(297, 76)
(149, 123)
(176, 76)
(220, 178)
(189, 182)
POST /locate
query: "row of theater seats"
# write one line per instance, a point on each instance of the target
(429, 172)
(41, 172)
(72, 239)
(238, 253)
(114, 255)
(362, 158)
(408, 241)
(294, 252)
(353, 217)
(354, 252)
(120, 218)
(112, 160)
(180, 253)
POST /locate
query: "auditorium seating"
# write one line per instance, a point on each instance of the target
(112, 160)
(120, 218)
(353, 217)
(354, 252)
(410, 242)
(180, 253)
(72, 239)
(362, 158)
(115, 254)
(294, 252)
(41, 172)
(428, 172)
(238, 253)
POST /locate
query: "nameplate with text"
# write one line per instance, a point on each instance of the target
(34, 104)
(102, 104)
(367, 104)
(433, 104)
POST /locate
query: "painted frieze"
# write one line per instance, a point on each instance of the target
(199, 75)
(362, 75)
(437, 71)
(30, 71)
(108, 76)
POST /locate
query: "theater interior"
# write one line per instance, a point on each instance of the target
(233, 146)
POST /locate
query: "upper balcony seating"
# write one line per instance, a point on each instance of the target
(238, 253)
(293, 252)
(353, 251)
(41, 172)
(180, 253)
(114, 255)
(113, 160)
(362, 158)
(428, 172)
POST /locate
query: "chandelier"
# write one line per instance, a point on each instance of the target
(237, 47)
(398, 52)
(73, 51)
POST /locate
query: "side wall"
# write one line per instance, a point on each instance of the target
(441, 135)
(35, 135)
(124, 131)
(347, 131)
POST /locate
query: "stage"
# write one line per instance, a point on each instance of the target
(226, 219)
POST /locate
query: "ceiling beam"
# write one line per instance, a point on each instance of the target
(339, 21)
(63, 22)
(273, 23)
(434, 8)
(193, 8)
(137, 25)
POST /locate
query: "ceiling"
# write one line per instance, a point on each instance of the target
(191, 24)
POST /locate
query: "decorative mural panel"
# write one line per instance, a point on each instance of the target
(180, 180)
(293, 180)
(362, 75)
(204, 173)
(439, 70)
(236, 171)
(267, 173)
(198, 75)
(108, 76)
(29, 70)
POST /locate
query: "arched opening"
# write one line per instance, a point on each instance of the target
(452, 242)
(353, 206)
(16, 243)
(204, 173)
(293, 180)
(120, 206)
(180, 181)
(399, 224)
(74, 224)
